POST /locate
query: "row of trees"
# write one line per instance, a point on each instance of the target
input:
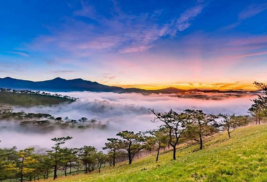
(27, 165)
(43, 121)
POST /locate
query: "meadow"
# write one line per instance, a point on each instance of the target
(241, 158)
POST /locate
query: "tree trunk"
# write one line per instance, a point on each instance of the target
(200, 141)
(129, 153)
(55, 171)
(86, 169)
(70, 167)
(65, 171)
(114, 158)
(157, 158)
(130, 161)
(174, 152)
(228, 131)
(99, 168)
(22, 165)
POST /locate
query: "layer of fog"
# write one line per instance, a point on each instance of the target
(118, 111)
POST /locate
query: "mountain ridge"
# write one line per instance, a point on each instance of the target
(59, 84)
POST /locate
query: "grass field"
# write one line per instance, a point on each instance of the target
(241, 158)
(19, 99)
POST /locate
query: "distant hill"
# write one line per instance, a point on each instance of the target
(15, 98)
(58, 84)
(63, 85)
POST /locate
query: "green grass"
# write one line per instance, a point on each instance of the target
(241, 158)
(19, 99)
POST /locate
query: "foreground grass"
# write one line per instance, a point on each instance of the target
(241, 158)
(19, 99)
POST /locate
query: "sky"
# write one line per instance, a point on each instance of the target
(211, 44)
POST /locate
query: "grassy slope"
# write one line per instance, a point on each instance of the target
(241, 158)
(28, 100)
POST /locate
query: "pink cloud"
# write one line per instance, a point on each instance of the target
(248, 55)
(135, 49)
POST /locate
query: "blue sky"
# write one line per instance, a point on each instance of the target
(147, 44)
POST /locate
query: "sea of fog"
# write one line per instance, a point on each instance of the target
(118, 111)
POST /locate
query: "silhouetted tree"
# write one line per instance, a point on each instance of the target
(231, 122)
(176, 124)
(88, 157)
(113, 145)
(132, 143)
(158, 139)
(56, 152)
(101, 159)
(201, 125)
(259, 107)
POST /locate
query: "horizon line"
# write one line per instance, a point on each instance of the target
(153, 87)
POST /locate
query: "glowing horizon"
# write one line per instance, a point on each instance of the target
(190, 86)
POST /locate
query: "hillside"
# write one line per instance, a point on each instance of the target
(21, 99)
(241, 158)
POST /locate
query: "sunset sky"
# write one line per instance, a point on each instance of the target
(211, 44)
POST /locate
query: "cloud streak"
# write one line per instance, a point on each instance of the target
(183, 21)
(20, 53)
(63, 71)
(252, 10)
(119, 32)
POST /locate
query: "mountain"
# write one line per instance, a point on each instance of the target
(63, 85)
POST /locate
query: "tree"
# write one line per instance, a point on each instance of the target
(114, 146)
(176, 124)
(159, 139)
(259, 107)
(56, 152)
(101, 159)
(68, 157)
(132, 143)
(257, 110)
(26, 160)
(231, 122)
(88, 158)
(200, 125)
(8, 166)
(45, 165)
(83, 120)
